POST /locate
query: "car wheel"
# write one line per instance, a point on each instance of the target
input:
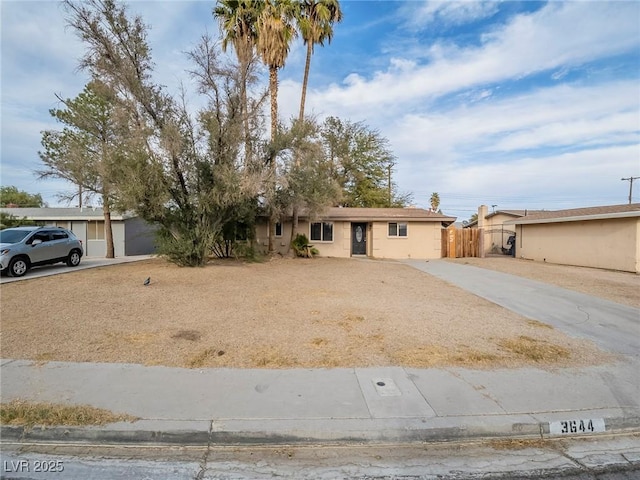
(73, 260)
(18, 267)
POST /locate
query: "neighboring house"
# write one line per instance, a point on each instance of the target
(373, 232)
(496, 233)
(131, 234)
(602, 237)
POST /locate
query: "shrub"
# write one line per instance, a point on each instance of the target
(301, 246)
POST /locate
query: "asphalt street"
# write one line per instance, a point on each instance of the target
(602, 458)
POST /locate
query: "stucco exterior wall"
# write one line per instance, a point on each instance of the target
(281, 242)
(339, 247)
(423, 240)
(637, 246)
(611, 244)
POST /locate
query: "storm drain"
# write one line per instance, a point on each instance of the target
(386, 387)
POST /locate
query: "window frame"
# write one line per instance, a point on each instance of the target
(323, 229)
(278, 235)
(94, 232)
(398, 228)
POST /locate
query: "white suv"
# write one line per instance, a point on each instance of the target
(24, 247)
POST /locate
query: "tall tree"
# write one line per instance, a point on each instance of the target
(315, 23)
(10, 195)
(85, 151)
(238, 24)
(361, 162)
(182, 173)
(276, 31)
(305, 183)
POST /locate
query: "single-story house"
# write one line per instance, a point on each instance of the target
(601, 237)
(373, 232)
(496, 233)
(131, 234)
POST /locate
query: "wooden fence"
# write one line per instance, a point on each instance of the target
(461, 242)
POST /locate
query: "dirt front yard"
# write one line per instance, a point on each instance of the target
(279, 314)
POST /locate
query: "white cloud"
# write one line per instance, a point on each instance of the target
(507, 148)
(560, 34)
(449, 12)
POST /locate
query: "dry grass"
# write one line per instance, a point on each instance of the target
(535, 350)
(30, 414)
(280, 314)
(536, 323)
(204, 357)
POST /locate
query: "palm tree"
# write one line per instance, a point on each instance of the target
(276, 30)
(315, 23)
(435, 201)
(238, 23)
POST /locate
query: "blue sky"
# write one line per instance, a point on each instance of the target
(516, 104)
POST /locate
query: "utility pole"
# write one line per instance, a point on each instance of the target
(630, 180)
(390, 193)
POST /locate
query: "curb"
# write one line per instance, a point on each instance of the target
(359, 432)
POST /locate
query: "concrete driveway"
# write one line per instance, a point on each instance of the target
(86, 262)
(611, 326)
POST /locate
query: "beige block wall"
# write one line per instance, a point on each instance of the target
(611, 244)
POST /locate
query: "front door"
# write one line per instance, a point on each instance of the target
(358, 239)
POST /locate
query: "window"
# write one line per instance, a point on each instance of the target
(59, 235)
(322, 232)
(42, 236)
(397, 229)
(13, 236)
(95, 230)
(278, 229)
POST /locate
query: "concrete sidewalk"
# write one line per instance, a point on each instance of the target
(229, 406)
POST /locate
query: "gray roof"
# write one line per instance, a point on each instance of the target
(580, 214)
(63, 214)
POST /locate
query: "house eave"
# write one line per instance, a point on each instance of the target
(577, 218)
(42, 215)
